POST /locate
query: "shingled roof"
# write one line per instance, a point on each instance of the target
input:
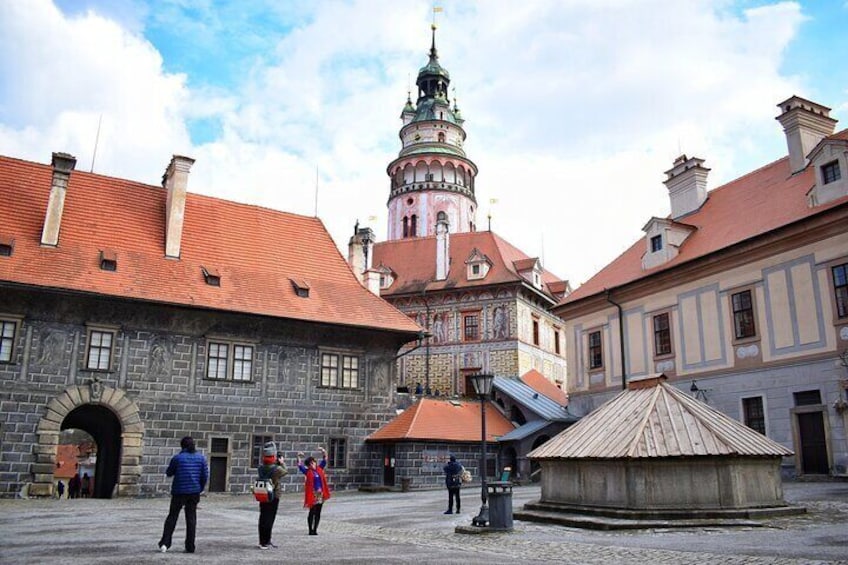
(257, 252)
(653, 422)
(443, 420)
(770, 197)
(414, 261)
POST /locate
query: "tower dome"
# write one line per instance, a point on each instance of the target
(431, 177)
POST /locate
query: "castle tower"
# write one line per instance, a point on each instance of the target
(431, 180)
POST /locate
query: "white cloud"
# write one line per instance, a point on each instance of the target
(574, 109)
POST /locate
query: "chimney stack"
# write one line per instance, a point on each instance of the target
(805, 123)
(175, 181)
(359, 252)
(442, 250)
(63, 164)
(687, 185)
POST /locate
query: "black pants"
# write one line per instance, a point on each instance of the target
(267, 515)
(177, 502)
(314, 517)
(453, 493)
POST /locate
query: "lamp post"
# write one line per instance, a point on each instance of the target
(483, 387)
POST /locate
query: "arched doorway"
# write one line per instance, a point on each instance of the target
(535, 468)
(101, 424)
(112, 419)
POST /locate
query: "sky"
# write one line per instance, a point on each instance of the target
(574, 108)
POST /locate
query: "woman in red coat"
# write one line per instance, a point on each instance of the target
(316, 489)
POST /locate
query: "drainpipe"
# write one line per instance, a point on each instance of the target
(620, 336)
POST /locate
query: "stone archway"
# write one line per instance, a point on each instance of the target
(95, 394)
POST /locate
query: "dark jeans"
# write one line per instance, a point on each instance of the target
(177, 502)
(453, 493)
(267, 515)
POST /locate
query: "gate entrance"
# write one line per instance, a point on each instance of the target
(102, 425)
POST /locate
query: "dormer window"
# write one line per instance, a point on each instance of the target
(830, 172)
(108, 260)
(301, 287)
(7, 245)
(211, 276)
(477, 265)
(656, 243)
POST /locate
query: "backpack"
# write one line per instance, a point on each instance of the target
(263, 487)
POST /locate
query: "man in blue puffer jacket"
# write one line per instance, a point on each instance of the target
(189, 470)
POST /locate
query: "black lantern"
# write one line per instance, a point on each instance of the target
(483, 387)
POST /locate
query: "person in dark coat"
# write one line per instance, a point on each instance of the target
(453, 480)
(74, 487)
(190, 473)
(272, 469)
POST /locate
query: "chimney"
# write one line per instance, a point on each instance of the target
(359, 252)
(175, 181)
(63, 164)
(687, 185)
(805, 123)
(442, 250)
(372, 281)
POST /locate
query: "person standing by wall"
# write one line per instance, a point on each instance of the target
(74, 486)
(60, 489)
(316, 489)
(85, 488)
(190, 473)
(273, 469)
(453, 480)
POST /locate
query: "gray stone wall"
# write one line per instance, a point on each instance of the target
(159, 361)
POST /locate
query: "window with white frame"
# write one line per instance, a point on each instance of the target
(830, 172)
(743, 315)
(8, 328)
(662, 334)
(229, 361)
(339, 370)
(100, 343)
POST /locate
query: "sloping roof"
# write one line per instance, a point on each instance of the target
(443, 420)
(540, 404)
(525, 430)
(660, 421)
(538, 382)
(414, 261)
(769, 197)
(255, 250)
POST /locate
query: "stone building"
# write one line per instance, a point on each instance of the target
(484, 302)
(142, 313)
(740, 297)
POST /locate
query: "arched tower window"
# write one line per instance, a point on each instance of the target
(441, 137)
(413, 226)
(441, 217)
(405, 226)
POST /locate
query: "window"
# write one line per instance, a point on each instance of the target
(830, 172)
(662, 334)
(229, 361)
(596, 354)
(743, 315)
(840, 289)
(475, 269)
(211, 276)
(556, 342)
(656, 243)
(108, 260)
(441, 217)
(99, 350)
(7, 340)
(807, 397)
(7, 245)
(471, 327)
(405, 226)
(441, 138)
(257, 444)
(413, 226)
(753, 413)
(330, 365)
(535, 332)
(337, 454)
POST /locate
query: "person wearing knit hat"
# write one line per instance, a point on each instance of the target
(274, 469)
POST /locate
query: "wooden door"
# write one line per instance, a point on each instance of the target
(813, 443)
(389, 465)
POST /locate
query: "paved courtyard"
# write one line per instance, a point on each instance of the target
(404, 528)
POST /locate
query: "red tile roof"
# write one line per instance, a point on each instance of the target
(256, 251)
(752, 205)
(414, 261)
(443, 420)
(540, 383)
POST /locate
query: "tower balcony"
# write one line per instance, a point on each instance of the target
(432, 185)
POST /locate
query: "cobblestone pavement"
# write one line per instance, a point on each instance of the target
(405, 528)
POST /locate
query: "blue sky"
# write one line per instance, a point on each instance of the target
(574, 108)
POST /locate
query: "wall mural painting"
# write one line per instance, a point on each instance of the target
(500, 323)
(51, 350)
(160, 358)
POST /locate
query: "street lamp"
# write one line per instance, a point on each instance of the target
(483, 387)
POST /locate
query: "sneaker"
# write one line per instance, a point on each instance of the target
(448, 512)
(271, 544)
(264, 546)
(163, 548)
